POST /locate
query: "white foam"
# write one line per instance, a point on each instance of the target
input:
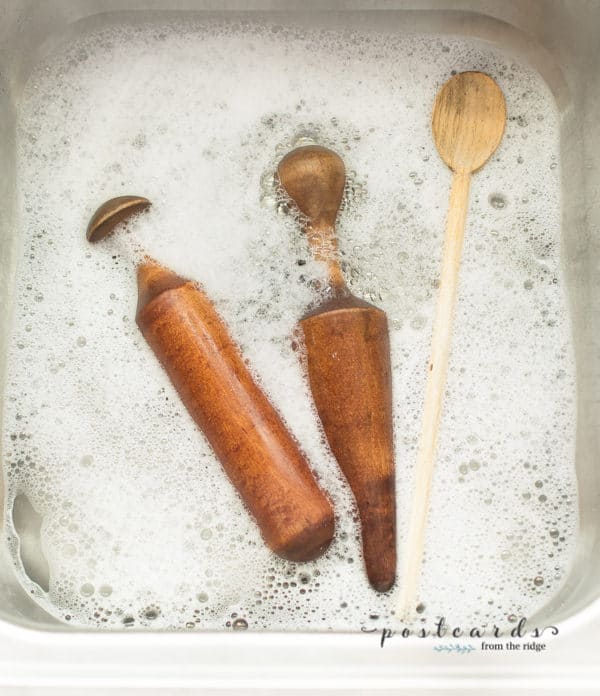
(141, 527)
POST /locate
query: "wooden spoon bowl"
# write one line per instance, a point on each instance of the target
(468, 121)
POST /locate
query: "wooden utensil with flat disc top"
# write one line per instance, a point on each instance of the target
(258, 453)
(348, 360)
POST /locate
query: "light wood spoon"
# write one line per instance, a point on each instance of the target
(468, 123)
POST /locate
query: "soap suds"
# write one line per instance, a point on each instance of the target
(141, 528)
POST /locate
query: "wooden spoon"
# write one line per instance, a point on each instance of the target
(348, 361)
(468, 123)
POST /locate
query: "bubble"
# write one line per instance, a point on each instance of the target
(87, 589)
(538, 581)
(202, 597)
(105, 590)
(151, 613)
(69, 550)
(81, 341)
(418, 322)
(139, 142)
(497, 200)
(239, 625)
(304, 138)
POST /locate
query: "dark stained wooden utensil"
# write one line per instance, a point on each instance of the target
(348, 361)
(261, 458)
(113, 212)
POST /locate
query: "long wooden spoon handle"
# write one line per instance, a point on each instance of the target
(434, 393)
(324, 247)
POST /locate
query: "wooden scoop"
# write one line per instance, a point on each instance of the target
(348, 360)
(468, 124)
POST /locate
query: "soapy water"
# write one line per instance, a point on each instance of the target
(140, 526)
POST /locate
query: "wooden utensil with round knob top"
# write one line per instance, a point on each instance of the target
(468, 123)
(348, 361)
(260, 456)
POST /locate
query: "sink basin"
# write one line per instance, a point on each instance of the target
(558, 41)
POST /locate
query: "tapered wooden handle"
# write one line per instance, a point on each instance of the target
(348, 360)
(323, 244)
(434, 394)
(261, 458)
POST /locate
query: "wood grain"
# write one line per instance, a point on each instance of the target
(468, 122)
(261, 458)
(113, 212)
(348, 364)
(349, 371)
(314, 179)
